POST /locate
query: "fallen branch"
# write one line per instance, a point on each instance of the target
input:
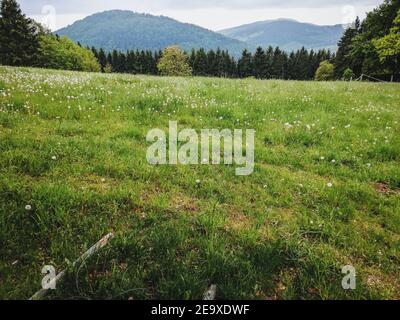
(100, 244)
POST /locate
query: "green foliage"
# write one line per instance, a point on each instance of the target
(62, 53)
(24, 42)
(174, 62)
(245, 64)
(324, 72)
(343, 59)
(388, 47)
(108, 68)
(348, 74)
(372, 47)
(19, 43)
(260, 64)
(272, 63)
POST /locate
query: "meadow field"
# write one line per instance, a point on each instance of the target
(325, 192)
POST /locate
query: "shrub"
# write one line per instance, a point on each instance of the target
(348, 74)
(108, 68)
(174, 62)
(63, 53)
(325, 71)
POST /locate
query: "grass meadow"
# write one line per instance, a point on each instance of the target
(325, 191)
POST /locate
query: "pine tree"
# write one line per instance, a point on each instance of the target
(245, 64)
(95, 52)
(19, 36)
(260, 65)
(344, 59)
(102, 58)
(303, 64)
(122, 62)
(110, 59)
(211, 69)
(192, 59)
(219, 63)
(115, 61)
(142, 62)
(200, 64)
(130, 62)
(279, 63)
(269, 58)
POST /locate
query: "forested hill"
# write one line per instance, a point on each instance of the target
(124, 30)
(287, 34)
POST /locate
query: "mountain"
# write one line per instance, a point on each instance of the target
(287, 34)
(123, 30)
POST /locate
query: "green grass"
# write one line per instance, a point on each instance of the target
(280, 233)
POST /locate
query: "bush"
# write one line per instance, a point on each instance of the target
(325, 71)
(174, 62)
(108, 68)
(63, 53)
(348, 74)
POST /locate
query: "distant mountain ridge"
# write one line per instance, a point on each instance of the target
(287, 34)
(126, 30)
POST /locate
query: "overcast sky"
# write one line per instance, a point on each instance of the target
(214, 15)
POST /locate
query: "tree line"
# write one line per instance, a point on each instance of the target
(271, 63)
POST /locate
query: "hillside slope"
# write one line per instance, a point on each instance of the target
(125, 30)
(287, 34)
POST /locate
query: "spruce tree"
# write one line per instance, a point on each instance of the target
(95, 52)
(245, 64)
(110, 59)
(269, 57)
(102, 58)
(200, 64)
(211, 69)
(115, 61)
(19, 36)
(219, 63)
(279, 63)
(260, 66)
(192, 60)
(122, 62)
(130, 62)
(343, 57)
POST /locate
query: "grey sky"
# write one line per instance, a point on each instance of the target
(213, 15)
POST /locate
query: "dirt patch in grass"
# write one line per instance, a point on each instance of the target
(181, 202)
(375, 279)
(235, 220)
(385, 189)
